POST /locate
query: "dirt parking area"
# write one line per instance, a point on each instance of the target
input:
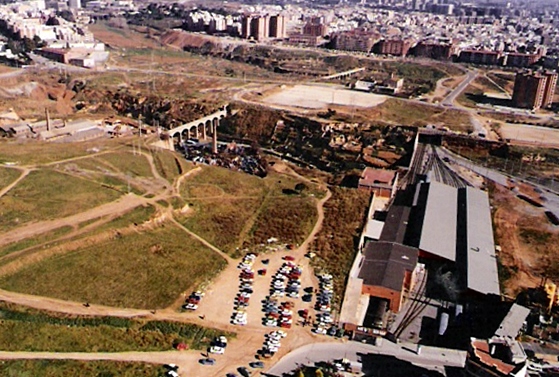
(218, 303)
(318, 97)
(217, 307)
(530, 134)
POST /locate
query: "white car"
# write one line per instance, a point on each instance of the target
(191, 306)
(272, 349)
(319, 330)
(240, 322)
(281, 333)
(271, 323)
(217, 350)
(222, 339)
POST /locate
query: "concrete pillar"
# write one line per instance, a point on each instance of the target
(204, 131)
(215, 122)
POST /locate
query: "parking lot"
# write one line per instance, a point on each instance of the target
(217, 305)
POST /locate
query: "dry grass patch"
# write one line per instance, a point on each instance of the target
(290, 219)
(336, 243)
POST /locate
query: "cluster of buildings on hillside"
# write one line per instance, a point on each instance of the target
(60, 130)
(258, 27)
(65, 41)
(479, 35)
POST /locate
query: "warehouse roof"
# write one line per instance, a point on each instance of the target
(438, 232)
(482, 275)
(513, 321)
(386, 263)
(396, 223)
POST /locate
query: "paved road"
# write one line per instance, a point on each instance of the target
(449, 100)
(430, 357)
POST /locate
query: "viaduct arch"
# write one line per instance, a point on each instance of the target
(200, 129)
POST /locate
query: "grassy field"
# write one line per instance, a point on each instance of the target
(221, 222)
(140, 270)
(36, 240)
(396, 111)
(46, 194)
(335, 244)
(286, 218)
(7, 176)
(24, 329)
(127, 163)
(233, 209)
(56, 368)
(170, 165)
(36, 152)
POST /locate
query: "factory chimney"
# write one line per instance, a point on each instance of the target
(47, 118)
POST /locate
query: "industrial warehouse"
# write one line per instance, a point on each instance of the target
(431, 243)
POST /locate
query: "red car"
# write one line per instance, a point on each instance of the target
(262, 272)
(285, 325)
(289, 258)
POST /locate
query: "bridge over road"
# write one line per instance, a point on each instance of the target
(200, 128)
(343, 74)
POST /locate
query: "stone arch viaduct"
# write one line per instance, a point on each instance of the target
(200, 129)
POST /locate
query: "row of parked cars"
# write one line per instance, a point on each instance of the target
(246, 278)
(192, 301)
(277, 314)
(287, 281)
(272, 343)
(323, 304)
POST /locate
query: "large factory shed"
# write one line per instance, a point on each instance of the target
(454, 224)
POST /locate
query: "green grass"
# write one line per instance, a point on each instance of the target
(35, 240)
(46, 194)
(56, 368)
(335, 244)
(129, 164)
(23, 329)
(170, 165)
(37, 152)
(137, 215)
(140, 270)
(7, 176)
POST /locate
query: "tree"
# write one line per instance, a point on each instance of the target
(300, 187)
(319, 373)
(300, 373)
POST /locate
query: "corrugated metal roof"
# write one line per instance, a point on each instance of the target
(438, 233)
(482, 261)
(513, 321)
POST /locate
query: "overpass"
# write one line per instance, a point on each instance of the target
(200, 128)
(343, 74)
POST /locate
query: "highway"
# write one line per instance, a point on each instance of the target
(431, 358)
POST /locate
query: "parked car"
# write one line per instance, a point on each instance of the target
(256, 364)
(207, 361)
